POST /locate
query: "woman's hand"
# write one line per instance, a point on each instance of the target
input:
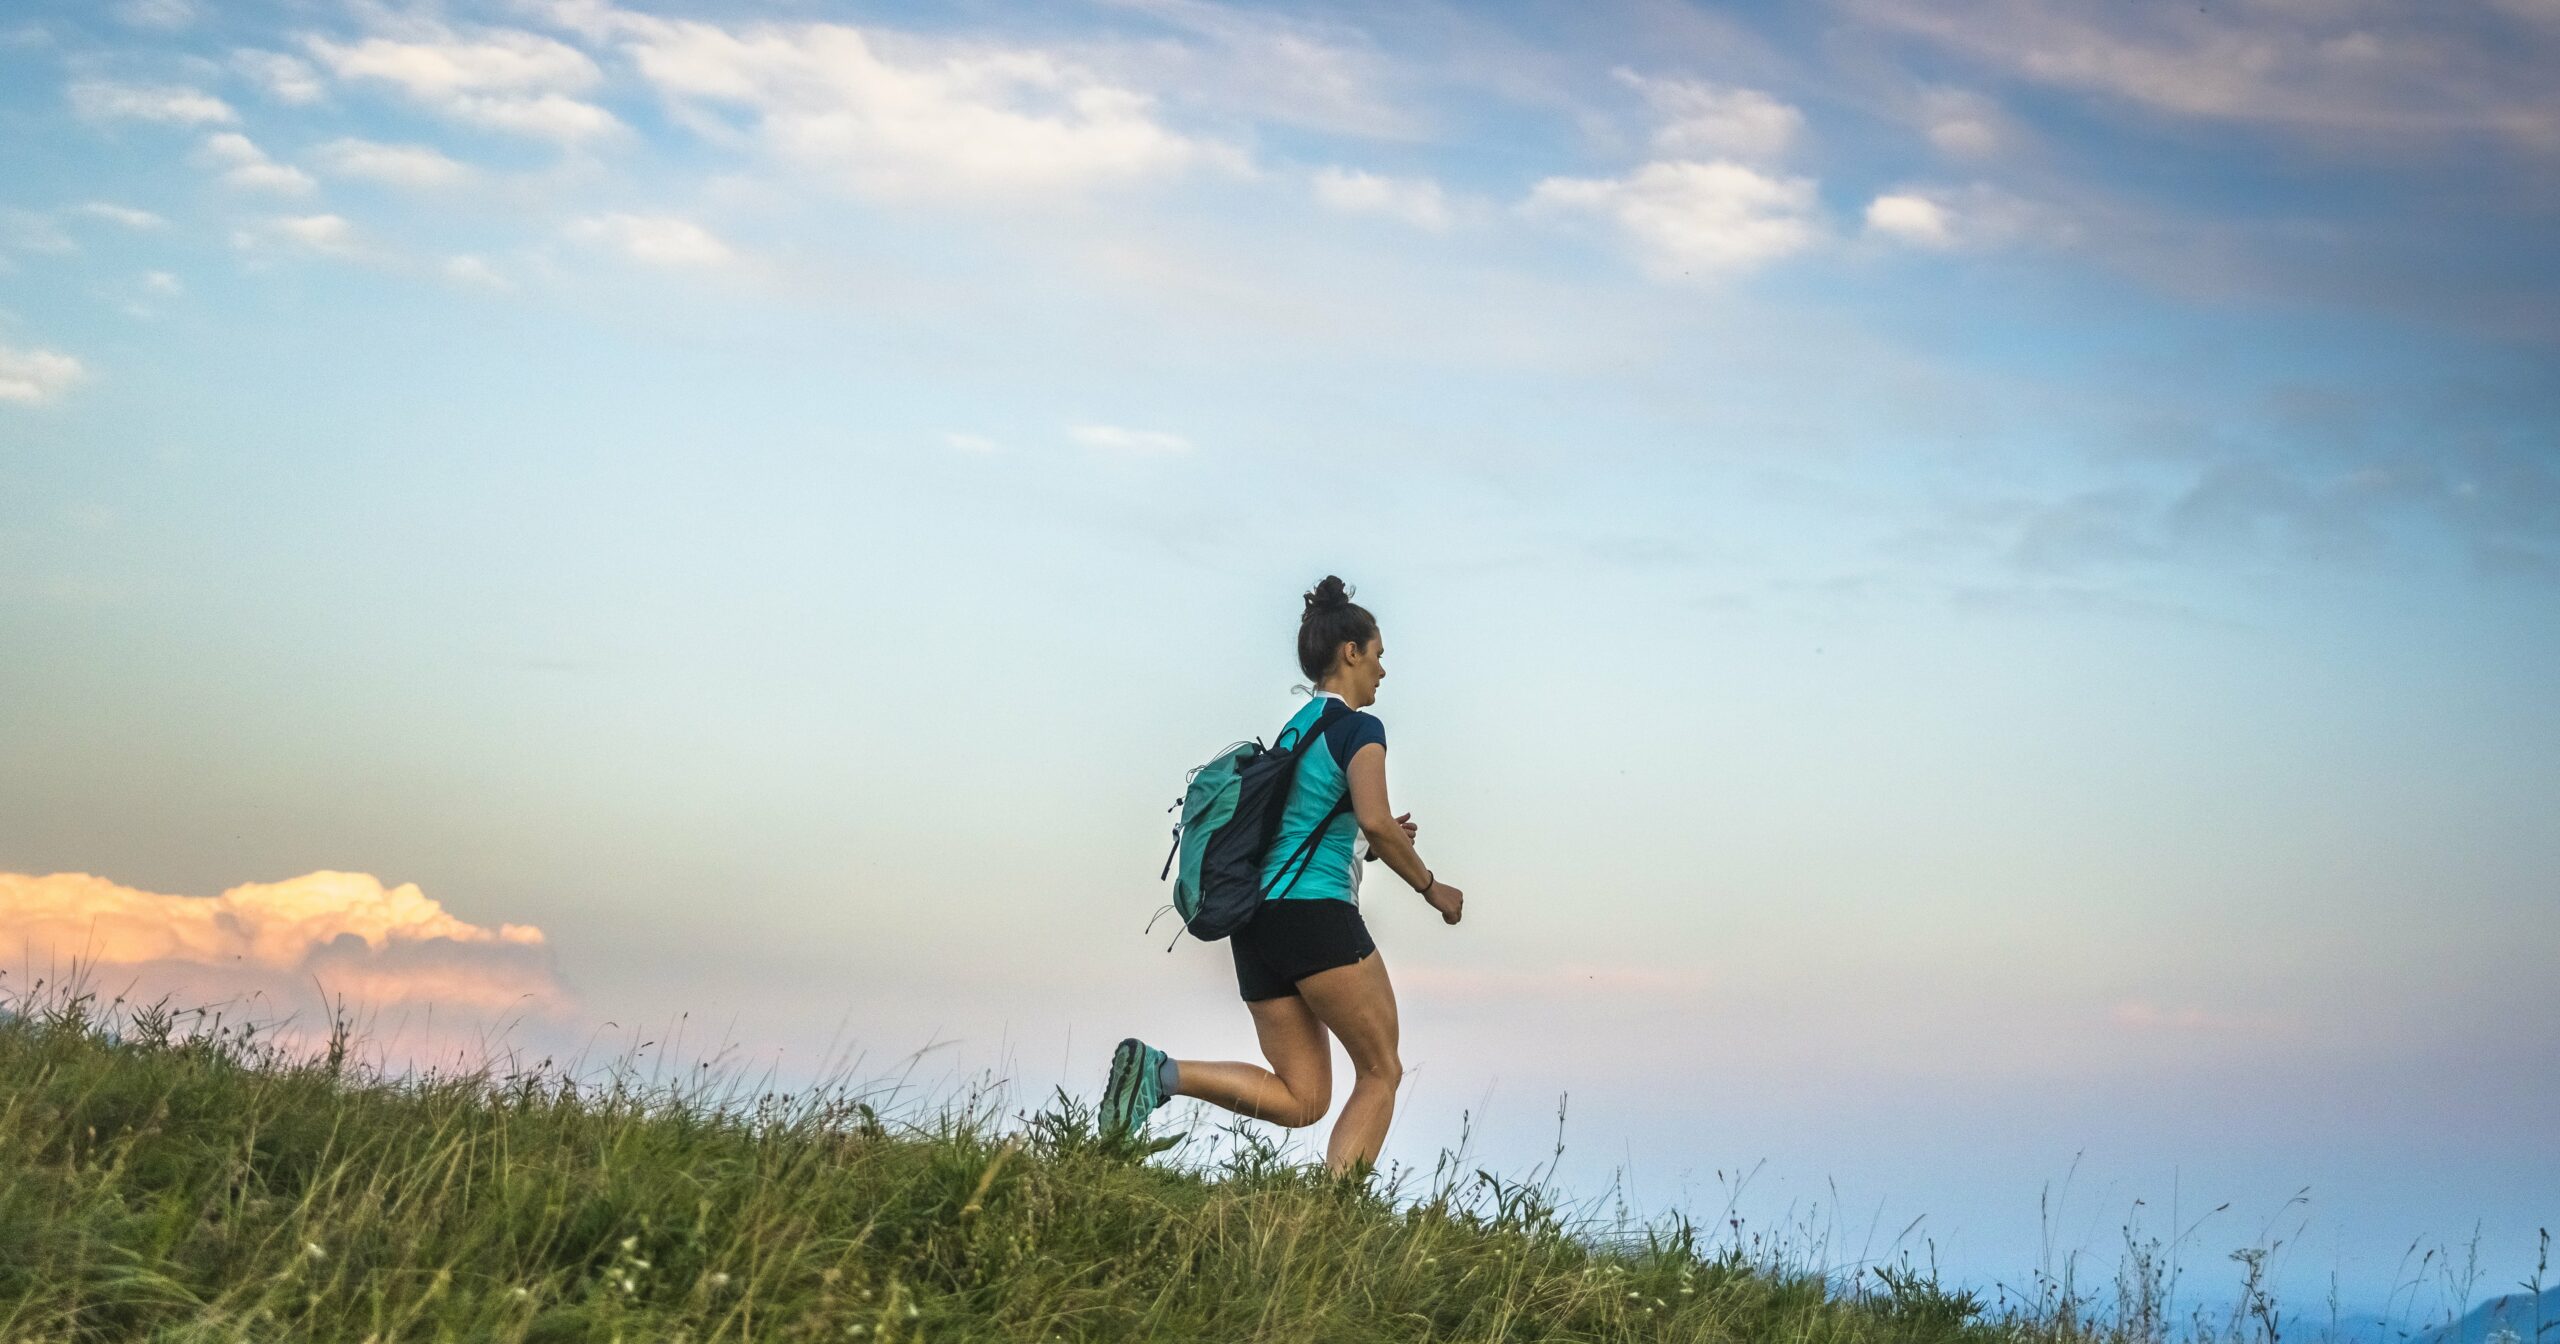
(1446, 899)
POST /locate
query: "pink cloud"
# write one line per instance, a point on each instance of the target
(2144, 1014)
(420, 981)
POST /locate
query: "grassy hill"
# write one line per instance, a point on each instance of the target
(202, 1185)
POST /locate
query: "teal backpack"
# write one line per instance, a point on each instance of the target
(1229, 815)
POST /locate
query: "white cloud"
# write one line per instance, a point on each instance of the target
(898, 118)
(247, 166)
(325, 233)
(659, 240)
(1116, 439)
(1971, 216)
(547, 116)
(287, 79)
(1695, 219)
(969, 443)
(163, 284)
(101, 100)
(1715, 121)
(1911, 219)
(1416, 201)
(502, 60)
(501, 78)
(28, 377)
(329, 235)
(415, 166)
(124, 214)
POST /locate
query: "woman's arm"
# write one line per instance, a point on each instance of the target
(1387, 839)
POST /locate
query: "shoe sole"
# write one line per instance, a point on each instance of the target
(1120, 1091)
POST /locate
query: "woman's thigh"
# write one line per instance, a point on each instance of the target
(1297, 1046)
(1358, 1004)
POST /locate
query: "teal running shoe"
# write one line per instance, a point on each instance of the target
(1134, 1091)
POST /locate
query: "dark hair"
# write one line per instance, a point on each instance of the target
(1332, 620)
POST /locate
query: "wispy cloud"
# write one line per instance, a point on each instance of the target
(1274, 67)
(1701, 120)
(658, 240)
(900, 118)
(174, 104)
(325, 234)
(2356, 70)
(1417, 201)
(1965, 124)
(287, 79)
(418, 167)
(164, 15)
(125, 215)
(502, 79)
(245, 165)
(1115, 438)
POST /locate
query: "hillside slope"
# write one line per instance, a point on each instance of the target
(167, 1185)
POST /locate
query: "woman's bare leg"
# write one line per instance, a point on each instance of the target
(1298, 1087)
(1358, 1004)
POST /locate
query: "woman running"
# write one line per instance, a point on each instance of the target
(1304, 963)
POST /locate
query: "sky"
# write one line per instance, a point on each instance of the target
(1970, 588)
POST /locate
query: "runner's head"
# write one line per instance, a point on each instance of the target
(1338, 644)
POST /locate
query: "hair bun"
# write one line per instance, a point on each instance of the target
(1331, 593)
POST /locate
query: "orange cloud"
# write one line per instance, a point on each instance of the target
(287, 944)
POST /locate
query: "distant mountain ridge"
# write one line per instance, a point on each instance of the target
(2515, 1312)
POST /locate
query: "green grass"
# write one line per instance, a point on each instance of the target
(204, 1185)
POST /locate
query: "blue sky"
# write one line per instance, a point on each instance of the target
(1966, 584)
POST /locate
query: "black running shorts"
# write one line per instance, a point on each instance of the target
(1287, 941)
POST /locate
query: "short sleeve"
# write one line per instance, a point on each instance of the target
(1348, 734)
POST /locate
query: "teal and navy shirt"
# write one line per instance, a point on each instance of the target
(1332, 871)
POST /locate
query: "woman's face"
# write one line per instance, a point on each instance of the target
(1362, 667)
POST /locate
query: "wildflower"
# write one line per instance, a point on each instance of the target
(312, 1249)
(630, 1243)
(720, 1278)
(520, 1292)
(912, 1312)
(628, 1287)
(638, 1263)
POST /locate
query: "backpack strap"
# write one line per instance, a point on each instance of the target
(1325, 718)
(1305, 854)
